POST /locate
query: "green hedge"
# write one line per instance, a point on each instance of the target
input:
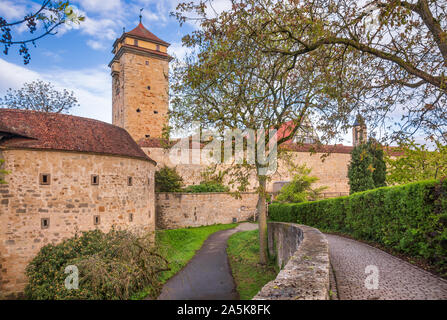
(411, 218)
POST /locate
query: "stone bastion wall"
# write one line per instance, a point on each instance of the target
(181, 210)
(303, 251)
(34, 213)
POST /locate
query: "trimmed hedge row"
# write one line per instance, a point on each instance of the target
(411, 218)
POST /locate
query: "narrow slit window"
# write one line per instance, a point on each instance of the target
(130, 217)
(95, 180)
(96, 220)
(129, 181)
(45, 179)
(135, 42)
(158, 47)
(45, 223)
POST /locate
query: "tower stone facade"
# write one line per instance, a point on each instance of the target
(140, 83)
(359, 131)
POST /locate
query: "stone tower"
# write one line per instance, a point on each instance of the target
(140, 83)
(359, 131)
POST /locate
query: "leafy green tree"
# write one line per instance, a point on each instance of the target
(42, 22)
(39, 96)
(401, 47)
(168, 180)
(228, 82)
(206, 187)
(417, 163)
(300, 188)
(367, 169)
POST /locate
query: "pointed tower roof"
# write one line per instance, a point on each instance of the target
(141, 32)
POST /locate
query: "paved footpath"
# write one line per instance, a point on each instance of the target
(207, 276)
(397, 279)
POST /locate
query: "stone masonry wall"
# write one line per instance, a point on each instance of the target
(70, 202)
(181, 210)
(305, 253)
(332, 172)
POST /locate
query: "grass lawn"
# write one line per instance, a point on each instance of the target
(178, 246)
(243, 253)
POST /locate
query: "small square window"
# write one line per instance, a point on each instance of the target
(129, 181)
(45, 223)
(147, 135)
(138, 110)
(95, 180)
(148, 87)
(96, 220)
(147, 62)
(155, 112)
(45, 178)
(130, 217)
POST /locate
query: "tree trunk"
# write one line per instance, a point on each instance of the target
(262, 213)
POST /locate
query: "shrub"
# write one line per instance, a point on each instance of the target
(168, 180)
(206, 187)
(367, 169)
(411, 218)
(300, 188)
(111, 266)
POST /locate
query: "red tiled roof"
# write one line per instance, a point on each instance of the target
(141, 32)
(285, 130)
(305, 147)
(54, 131)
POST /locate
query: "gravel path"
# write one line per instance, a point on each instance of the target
(207, 276)
(397, 279)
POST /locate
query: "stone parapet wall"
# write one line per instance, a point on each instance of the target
(181, 210)
(303, 251)
(70, 203)
(332, 172)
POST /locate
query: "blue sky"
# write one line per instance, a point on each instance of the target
(77, 57)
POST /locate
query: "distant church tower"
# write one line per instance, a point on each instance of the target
(359, 132)
(140, 83)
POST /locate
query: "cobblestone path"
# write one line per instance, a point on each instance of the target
(397, 279)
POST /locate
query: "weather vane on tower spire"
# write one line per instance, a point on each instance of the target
(141, 10)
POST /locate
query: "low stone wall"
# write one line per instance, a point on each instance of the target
(304, 252)
(181, 210)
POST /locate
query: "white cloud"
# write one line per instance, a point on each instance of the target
(11, 10)
(177, 50)
(92, 87)
(100, 6)
(96, 45)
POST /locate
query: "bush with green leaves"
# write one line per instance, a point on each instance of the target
(206, 187)
(111, 265)
(168, 180)
(300, 188)
(417, 163)
(411, 218)
(367, 169)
